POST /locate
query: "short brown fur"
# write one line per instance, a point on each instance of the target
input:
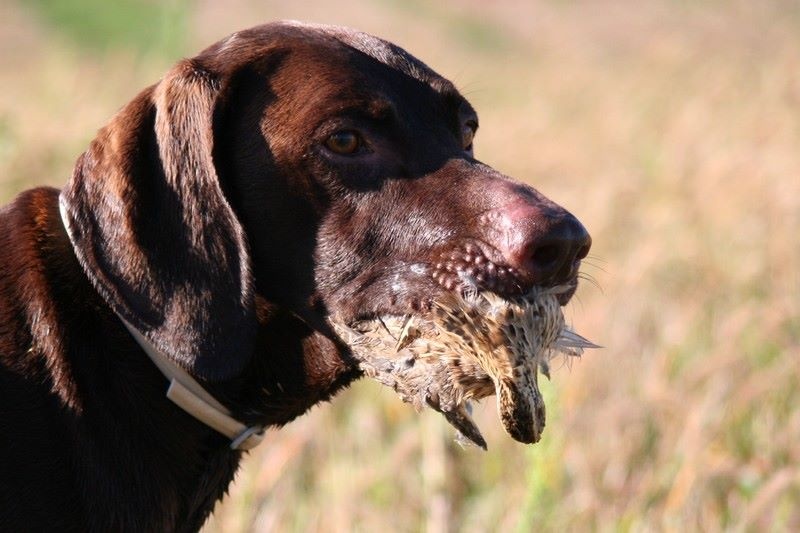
(209, 214)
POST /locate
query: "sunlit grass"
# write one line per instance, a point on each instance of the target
(672, 130)
(146, 26)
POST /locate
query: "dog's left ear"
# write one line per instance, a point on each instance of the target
(154, 232)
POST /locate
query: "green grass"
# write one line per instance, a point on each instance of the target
(145, 26)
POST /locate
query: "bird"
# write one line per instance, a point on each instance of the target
(470, 345)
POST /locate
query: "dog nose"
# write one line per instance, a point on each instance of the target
(544, 245)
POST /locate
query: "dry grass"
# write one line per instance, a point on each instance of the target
(672, 129)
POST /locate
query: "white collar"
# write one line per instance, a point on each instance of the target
(185, 391)
(189, 395)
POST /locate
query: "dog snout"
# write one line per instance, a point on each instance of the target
(544, 244)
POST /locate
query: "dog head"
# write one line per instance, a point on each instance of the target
(323, 169)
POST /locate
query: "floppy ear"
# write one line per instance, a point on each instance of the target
(155, 234)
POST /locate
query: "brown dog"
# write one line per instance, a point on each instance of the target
(286, 174)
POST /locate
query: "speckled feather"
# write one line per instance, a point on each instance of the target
(468, 347)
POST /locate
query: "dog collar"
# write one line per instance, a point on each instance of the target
(185, 392)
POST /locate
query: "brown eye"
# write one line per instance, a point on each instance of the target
(345, 142)
(467, 136)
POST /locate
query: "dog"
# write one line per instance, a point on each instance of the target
(288, 173)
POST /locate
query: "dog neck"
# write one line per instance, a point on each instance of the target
(185, 392)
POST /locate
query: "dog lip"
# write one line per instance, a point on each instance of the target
(417, 307)
(439, 280)
(422, 306)
(565, 297)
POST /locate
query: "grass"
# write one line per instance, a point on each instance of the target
(95, 25)
(671, 129)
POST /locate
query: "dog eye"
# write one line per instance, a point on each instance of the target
(468, 135)
(344, 142)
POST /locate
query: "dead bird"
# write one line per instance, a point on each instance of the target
(472, 344)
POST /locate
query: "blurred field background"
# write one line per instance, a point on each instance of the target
(670, 127)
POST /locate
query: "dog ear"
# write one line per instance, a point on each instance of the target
(154, 232)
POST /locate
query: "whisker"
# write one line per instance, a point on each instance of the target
(591, 279)
(577, 299)
(589, 262)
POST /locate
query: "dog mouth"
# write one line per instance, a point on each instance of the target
(469, 345)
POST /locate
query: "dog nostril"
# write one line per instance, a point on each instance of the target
(541, 246)
(545, 257)
(554, 256)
